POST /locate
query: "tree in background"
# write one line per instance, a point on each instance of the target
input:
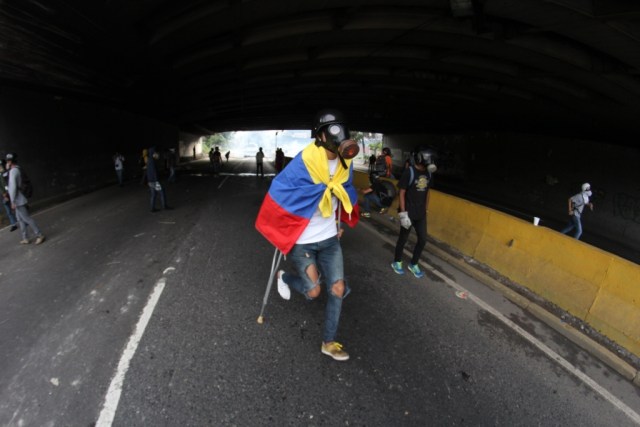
(222, 140)
(359, 138)
(370, 140)
(375, 146)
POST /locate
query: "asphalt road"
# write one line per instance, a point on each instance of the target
(131, 318)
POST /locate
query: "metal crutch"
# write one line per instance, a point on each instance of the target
(277, 256)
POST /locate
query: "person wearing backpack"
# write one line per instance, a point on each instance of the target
(413, 201)
(577, 202)
(6, 202)
(384, 164)
(17, 189)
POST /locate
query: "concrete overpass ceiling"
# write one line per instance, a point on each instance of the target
(563, 67)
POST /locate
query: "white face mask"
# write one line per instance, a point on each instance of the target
(587, 193)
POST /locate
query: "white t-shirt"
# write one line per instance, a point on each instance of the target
(320, 228)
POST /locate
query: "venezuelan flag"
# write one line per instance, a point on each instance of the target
(301, 188)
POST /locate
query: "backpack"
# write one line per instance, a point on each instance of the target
(386, 191)
(26, 188)
(381, 164)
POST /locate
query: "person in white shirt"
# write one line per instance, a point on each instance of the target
(19, 202)
(577, 202)
(118, 163)
(317, 253)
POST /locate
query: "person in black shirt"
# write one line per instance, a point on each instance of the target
(372, 196)
(413, 202)
(372, 162)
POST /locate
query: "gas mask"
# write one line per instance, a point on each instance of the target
(337, 141)
(337, 136)
(426, 158)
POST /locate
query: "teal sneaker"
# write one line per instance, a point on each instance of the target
(415, 269)
(397, 267)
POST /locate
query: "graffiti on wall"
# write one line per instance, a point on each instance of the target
(626, 206)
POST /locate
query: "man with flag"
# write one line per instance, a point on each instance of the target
(298, 216)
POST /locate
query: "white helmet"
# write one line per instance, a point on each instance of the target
(586, 186)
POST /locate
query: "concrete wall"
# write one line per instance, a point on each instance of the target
(67, 146)
(593, 285)
(536, 175)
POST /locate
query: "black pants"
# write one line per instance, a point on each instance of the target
(259, 169)
(420, 226)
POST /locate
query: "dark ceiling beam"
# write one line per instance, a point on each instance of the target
(616, 9)
(388, 63)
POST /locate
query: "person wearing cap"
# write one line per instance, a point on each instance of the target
(301, 216)
(19, 202)
(576, 206)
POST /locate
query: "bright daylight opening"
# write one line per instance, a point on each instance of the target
(245, 144)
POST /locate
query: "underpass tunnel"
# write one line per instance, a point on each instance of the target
(524, 101)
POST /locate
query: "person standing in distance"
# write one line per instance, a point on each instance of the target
(118, 163)
(388, 162)
(6, 202)
(153, 180)
(259, 160)
(413, 200)
(577, 202)
(372, 162)
(299, 214)
(19, 202)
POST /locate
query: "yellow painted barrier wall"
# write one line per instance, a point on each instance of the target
(598, 287)
(593, 285)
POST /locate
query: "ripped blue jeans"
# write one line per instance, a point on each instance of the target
(327, 257)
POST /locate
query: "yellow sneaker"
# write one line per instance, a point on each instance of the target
(334, 349)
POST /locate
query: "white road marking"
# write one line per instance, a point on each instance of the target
(112, 398)
(223, 181)
(527, 336)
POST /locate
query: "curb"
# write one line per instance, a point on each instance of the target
(594, 348)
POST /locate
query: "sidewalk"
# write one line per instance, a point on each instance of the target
(577, 331)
